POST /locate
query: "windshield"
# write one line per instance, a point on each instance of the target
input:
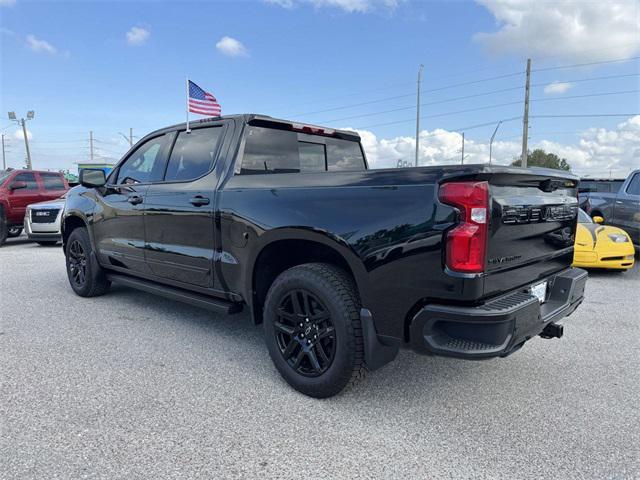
(583, 217)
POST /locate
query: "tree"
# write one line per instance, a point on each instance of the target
(540, 158)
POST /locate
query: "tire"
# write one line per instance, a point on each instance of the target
(326, 354)
(4, 229)
(14, 232)
(86, 277)
(47, 243)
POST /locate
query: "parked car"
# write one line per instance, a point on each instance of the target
(42, 221)
(619, 207)
(287, 220)
(602, 246)
(19, 188)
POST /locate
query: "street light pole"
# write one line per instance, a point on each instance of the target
(4, 161)
(492, 137)
(525, 118)
(418, 113)
(22, 122)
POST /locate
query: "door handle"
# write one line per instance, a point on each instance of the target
(134, 199)
(199, 200)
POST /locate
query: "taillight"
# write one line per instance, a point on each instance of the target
(467, 242)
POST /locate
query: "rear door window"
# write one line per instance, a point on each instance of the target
(52, 181)
(193, 154)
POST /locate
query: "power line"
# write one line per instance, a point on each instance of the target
(371, 102)
(465, 97)
(470, 127)
(486, 107)
(446, 87)
(587, 115)
(466, 110)
(569, 97)
(577, 65)
(586, 79)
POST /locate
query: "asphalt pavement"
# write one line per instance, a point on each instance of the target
(130, 385)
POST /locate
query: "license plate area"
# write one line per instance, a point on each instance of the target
(539, 290)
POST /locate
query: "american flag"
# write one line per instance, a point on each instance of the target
(202, 102)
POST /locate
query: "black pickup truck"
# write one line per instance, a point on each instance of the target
(341, 264)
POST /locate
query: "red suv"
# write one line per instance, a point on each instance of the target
(19, 188)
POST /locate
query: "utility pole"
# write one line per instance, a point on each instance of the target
(492, 137)
(4, 161)
(91, 145)
(462, 158)
(525, 119)
(418, 113)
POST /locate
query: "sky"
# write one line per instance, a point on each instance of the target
(107, 67)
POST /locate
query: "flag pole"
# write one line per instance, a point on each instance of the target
(187, 105)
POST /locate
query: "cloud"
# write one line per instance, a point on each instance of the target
(350, 6)
(7, 3)
(556, 88)
(597, 150)
(40, 46)
(138, 36)
(572, 30)
(231, 47)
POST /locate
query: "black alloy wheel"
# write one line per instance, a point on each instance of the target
(313, 329)
(77, 263)
(86, 276)
(305, 333)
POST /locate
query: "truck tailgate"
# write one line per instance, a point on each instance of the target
(532, 228)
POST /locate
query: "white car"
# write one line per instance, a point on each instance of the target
(42, 221)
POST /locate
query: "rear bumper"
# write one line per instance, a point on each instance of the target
(500, 326)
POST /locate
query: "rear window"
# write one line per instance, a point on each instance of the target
(269, 150)
(52, 181)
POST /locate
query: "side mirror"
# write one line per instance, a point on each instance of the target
(598, 219)
(17, 185)
(92, 178)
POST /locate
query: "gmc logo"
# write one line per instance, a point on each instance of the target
(534, 214)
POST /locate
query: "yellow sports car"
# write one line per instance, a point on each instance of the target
(601, 246)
